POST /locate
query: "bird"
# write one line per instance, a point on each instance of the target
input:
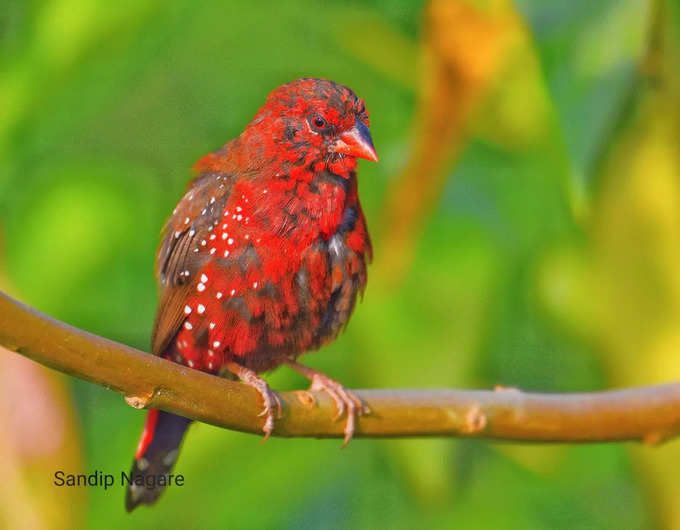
(263, 259)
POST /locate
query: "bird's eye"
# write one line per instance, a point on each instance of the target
(318, 122)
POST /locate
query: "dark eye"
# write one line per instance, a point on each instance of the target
(318, 122)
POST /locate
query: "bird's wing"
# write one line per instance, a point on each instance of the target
(181, 254)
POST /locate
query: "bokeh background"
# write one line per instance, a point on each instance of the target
(525, 213)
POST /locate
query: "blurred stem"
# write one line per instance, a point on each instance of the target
(655, 79)
(463, 48)
(650, 414)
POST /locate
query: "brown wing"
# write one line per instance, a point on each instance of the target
(182, 254)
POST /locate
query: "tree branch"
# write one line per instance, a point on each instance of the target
(650, 414)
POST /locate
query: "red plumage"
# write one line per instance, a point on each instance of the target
(265, 255)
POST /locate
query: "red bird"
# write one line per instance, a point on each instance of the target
(263, 258)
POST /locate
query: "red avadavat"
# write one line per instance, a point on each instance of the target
(263, 258)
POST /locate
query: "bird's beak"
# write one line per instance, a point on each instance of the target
(357, 142)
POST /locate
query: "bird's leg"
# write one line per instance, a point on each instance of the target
(271, 400)
(344, 399)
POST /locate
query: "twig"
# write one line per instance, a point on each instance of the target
(651, 414)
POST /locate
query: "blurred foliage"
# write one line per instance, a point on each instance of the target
(525, 213)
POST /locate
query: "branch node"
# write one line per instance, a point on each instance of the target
(502, 388)
(656, 437)
(306, 398)
(475, 420)
(140, 402)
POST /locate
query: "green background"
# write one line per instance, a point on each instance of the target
(547, 262)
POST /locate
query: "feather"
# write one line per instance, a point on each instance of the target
(182, 254)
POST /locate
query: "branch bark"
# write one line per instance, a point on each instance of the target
(650, 414)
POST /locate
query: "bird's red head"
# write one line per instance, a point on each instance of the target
(314, 121)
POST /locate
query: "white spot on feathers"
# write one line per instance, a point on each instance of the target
(170, 457)
(335, 245)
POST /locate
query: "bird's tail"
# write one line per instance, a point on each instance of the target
(156, 454)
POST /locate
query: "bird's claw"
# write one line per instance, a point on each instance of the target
(345, 402)
(271, 402)
(269, 397)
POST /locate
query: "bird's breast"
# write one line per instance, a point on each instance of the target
(285, 261)
(297, 209)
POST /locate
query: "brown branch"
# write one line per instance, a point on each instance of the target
(651, 414)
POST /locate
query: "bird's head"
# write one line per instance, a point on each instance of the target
(315, 121)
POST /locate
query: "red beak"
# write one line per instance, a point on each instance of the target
(357, 142)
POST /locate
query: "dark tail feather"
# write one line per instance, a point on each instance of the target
(156, 455)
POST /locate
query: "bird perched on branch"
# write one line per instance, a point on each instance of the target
(263, 258)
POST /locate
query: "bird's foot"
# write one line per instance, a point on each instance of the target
(345, 401)
(272, 403)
